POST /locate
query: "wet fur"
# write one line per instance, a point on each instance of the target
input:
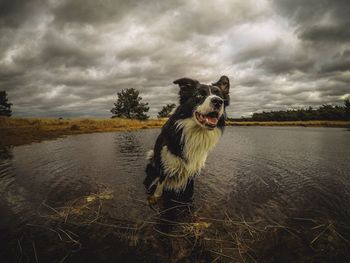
(182, 147)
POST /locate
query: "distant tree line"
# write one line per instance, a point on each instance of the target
(129, 105)
(5, 106)
(325, 112)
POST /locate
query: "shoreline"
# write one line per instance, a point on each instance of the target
(18, 131)
(321, 123)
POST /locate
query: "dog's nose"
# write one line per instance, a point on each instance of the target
(217, 102)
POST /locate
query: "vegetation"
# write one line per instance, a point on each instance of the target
(5, 106)
(17, 131)
(210, 233)
(325, 112)
(130, 114)
(129, 105)
(347, 108)
(166, 110)
(245, 122)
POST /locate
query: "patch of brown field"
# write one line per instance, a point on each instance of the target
(339, 124)
(18, 131)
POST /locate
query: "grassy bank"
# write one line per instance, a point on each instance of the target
(336, 124)
(18, 131)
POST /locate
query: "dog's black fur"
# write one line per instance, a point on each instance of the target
(192, 94)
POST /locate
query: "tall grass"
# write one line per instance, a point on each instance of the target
(17, 131)
(94, 123)
(292, 123)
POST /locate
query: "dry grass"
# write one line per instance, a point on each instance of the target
(339, 124)
(98, 124)
(198, 238)
(17, 131)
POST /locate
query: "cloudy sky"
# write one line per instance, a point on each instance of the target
(71, 57)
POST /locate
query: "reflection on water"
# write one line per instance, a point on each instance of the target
(278, 174)
(129, 145)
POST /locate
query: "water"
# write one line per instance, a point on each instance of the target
(270, 173)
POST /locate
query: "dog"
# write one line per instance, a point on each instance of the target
(190, 133)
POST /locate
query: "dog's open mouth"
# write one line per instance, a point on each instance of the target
(209, 120)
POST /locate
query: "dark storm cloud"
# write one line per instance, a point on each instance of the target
(340, 63)
(280, 65)
(322, 21)
(13, 13)
(327, 33)
(91, 11)
(70, 58)
(313, 11)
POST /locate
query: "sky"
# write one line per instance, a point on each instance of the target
(65, 58)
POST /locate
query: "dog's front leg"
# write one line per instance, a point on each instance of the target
(157, 193)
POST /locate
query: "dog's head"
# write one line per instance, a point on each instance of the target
(206, 103)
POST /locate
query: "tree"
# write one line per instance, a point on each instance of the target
(166, 110)
(129, 105)
(325, 112)
(5, 107)
(347, 108)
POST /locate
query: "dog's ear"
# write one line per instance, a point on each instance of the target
(224, 84)
(187, 88)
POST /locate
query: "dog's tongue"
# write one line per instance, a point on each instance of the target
(211, 120)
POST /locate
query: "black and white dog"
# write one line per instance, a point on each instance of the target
(187, 137)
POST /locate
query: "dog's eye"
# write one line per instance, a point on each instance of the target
(216, 92)
(202, 93)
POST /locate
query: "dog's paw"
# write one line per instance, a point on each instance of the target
(152, 200)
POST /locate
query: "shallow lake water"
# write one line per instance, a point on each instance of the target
(296, 180)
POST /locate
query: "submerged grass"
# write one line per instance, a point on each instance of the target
(84, 224)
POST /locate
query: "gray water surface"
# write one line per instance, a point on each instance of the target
(282, 171)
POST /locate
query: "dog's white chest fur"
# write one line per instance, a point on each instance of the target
(198, 142)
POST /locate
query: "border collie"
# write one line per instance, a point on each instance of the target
(186, 138)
